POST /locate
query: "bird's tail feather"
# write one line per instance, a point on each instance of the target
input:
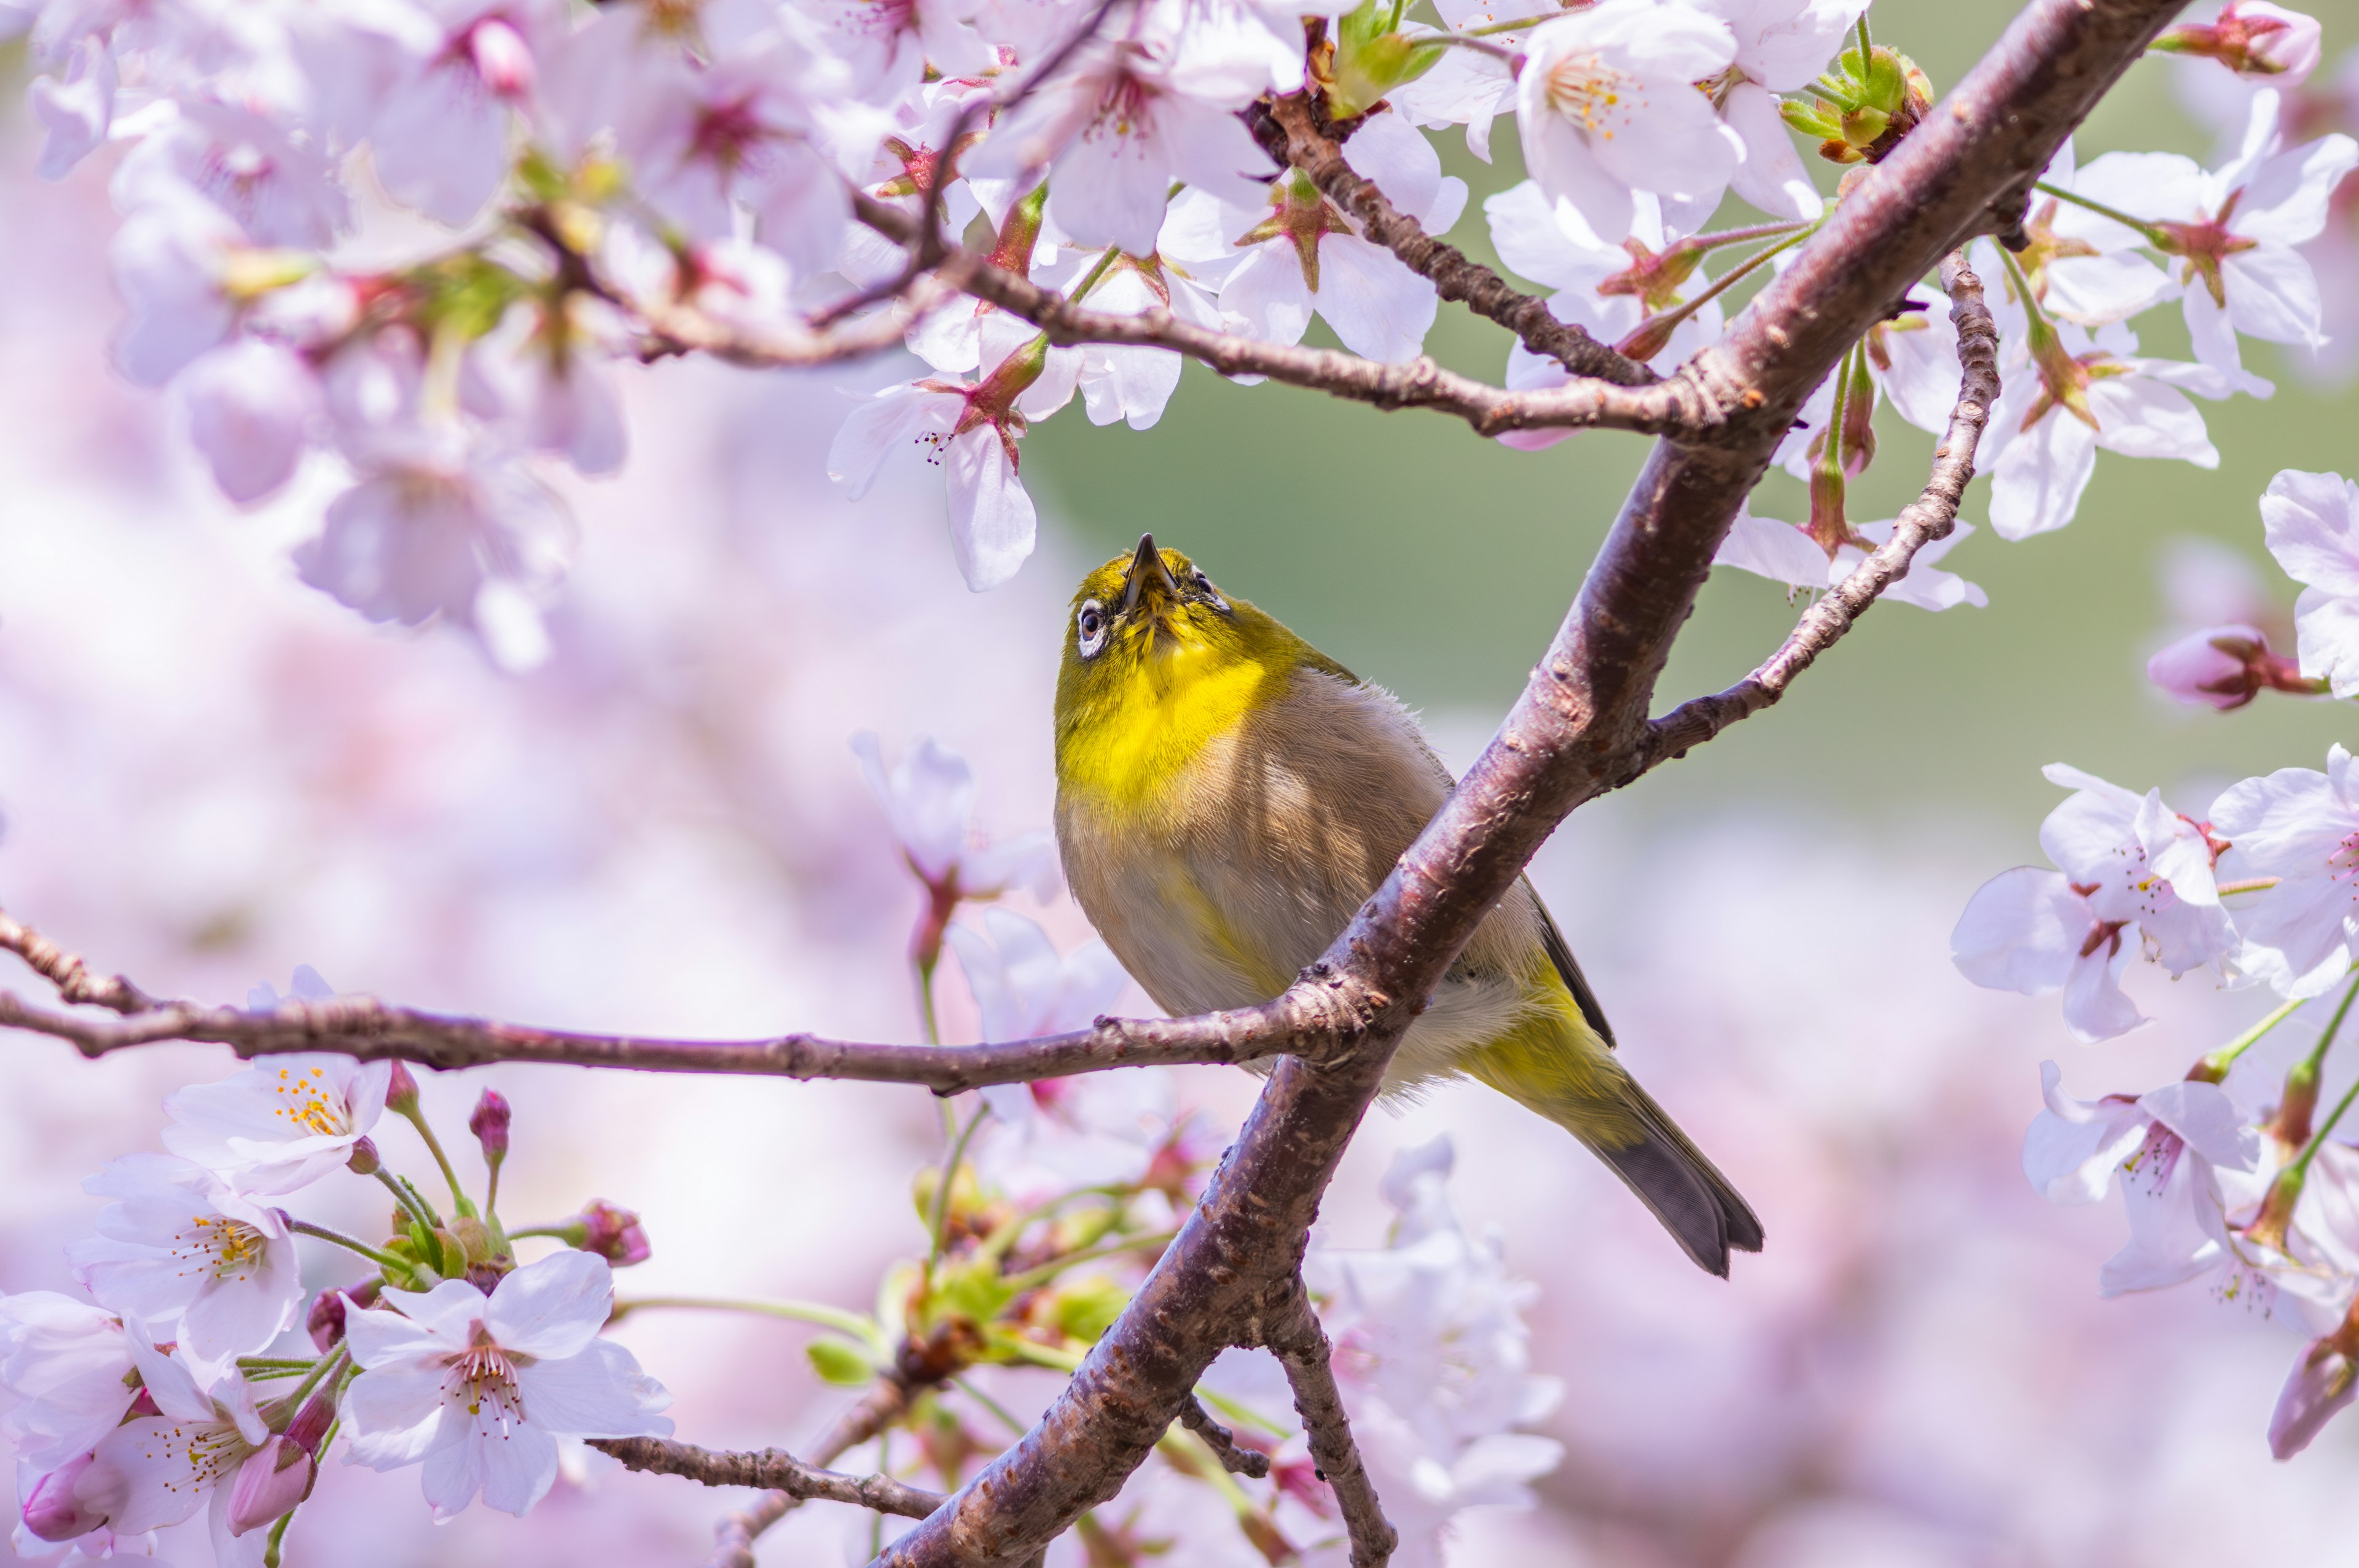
(1639, 1143)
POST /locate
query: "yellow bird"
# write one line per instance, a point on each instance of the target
(1228, 796)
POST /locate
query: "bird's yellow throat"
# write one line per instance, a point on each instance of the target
(1180, 668)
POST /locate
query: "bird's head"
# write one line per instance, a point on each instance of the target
(1149, 625)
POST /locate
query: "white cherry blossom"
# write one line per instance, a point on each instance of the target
(2300, 827)
(285, 1122)
(75, 109)
(1785, 552)
(66, 1366)
(1024, 989)
(1781, 45)
(929, 798)
(2084, 268)
(2136, 881)
(1297, 254)
(479, 1388)
(184, 1252)
(2311, 523)
(1605, 104)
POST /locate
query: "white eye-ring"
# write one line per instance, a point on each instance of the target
(1090, 629)
(1204, 587)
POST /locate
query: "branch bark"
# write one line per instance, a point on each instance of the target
(1574, 732)
(1928, 518)
(880, 1407)
(1222, 1441)
(1453, 275)
(1301, 1345)
(772, 1468)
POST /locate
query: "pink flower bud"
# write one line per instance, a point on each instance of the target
(273, 1478)
(2257, 41)
(364, 1160)
(2209, 667)
(52, 1512)
(502, 57)
(490, 1125)
(401, 1091)
(2320, 1383)
(614, 1234)
(326, 1321)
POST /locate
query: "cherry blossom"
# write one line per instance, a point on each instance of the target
(76, 109)
(2168, 1147)
(1297, 253)
(2301, 827)
(1129, 116)
(2127, 861)
(969, 430)
(478, 1388)
(1785, 552)
(180, 1249)
(158, 1470)
(2224, 667)
(2253, 38)
(440, 136)
(251, 405)
(2233, 230)
(280, 190)
(1781, 45)
(1432, 1357)
(280, 1125)
(66, 1366)
(2084, 268)
(1024, 989)
(929, 798)
(1604, 105)
(2308, 519)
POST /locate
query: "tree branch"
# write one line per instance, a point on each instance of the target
(1576, 729)
(1928, 518)
(1455, 275)
(1301, 1345)
(880, 1407)
(772, 1468)
(1222, 1441)
(365, 1028)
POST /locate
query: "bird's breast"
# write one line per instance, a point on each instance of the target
(1132, 744)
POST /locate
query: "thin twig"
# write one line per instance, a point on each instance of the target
(1222, 1441)
(773, 1469)
(1927, 519)
(1301, 1345)
(732, 1538)
(68, 973)
(1454, 275)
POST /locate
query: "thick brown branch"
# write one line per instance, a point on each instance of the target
(1455, 275)
(1222, 1441)
(1301, 1345)
(1930, 517)
(773, 1469)
(363, 1027)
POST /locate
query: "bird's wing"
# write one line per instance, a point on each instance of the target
(1560, 953)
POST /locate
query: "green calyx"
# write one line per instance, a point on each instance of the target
(1372, 57)
(1861, 108)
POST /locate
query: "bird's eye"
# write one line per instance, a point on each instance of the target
(1090, 629)
(1204, 588)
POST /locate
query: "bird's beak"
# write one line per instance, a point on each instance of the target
(1147, 560)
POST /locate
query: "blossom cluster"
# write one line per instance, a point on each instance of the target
(410, 242)
(150, 1396)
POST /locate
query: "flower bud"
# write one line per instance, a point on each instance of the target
(273, 1478)
(401, 1091)
(502, 57)
(364, 1160)
(489, 1123)
(2269, 1227)
(326, 1321)
(2225, 667)
(613, 1233)
(2322, 1382)
(2258, 41)
(51, 1511)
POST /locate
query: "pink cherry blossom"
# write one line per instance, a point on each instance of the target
(479, 1388)
(157, 1470)
(1781, 45)
(251, 405)
(1024, 989)
(66, 1366)
(2223, 667)
(2253, 38)
(929, 798)
(2299, 827)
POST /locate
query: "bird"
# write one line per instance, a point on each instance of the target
(1228, 796)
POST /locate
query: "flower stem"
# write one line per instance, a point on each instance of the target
(2216, 1066)
(277, 1534)
(2253, 885)
(416, 1116)
(288, 1364)
(350, 1243)
(837, 1318)
(1047, 1271)
(1468, 41)
(317, 1375)
(554, 1232)
(2318, 1138)
(1105, 263)
(1750, 232)
(1489, 28)
(406, 1197)
(939, 1223)
(2148, 231)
